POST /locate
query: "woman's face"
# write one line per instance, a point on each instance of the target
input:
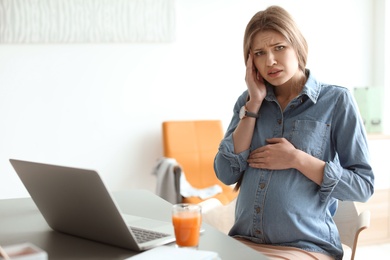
(274, 58)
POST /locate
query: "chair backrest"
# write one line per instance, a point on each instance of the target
(194, 144)
(350, 223)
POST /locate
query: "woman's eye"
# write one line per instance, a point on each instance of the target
(259, 53)
(279, 48)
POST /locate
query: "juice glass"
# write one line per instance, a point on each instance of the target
(187, 219)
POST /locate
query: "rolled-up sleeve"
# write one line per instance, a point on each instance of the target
(349, 175)
(332, 175)
(346, 184)
(228, 165)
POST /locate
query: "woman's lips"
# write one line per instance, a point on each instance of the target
(274, 73)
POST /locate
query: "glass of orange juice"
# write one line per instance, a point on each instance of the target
(187, 219)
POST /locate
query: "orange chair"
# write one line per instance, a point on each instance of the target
(194, 144)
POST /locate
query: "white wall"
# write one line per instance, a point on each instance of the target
(101, 106)
(386, 55)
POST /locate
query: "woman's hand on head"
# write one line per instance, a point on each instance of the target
(254, 81)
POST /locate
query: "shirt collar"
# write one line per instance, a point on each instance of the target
(311, 89)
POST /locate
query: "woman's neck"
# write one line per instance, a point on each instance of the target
(291, 89)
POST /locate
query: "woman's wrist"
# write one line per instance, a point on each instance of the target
(253, 106)
(310, 166)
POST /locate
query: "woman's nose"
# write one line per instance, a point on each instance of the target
(271, 59)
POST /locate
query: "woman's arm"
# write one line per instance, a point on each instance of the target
(242, 136)
(349, 176)
(280, 154)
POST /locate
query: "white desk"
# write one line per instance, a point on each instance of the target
(20, 221)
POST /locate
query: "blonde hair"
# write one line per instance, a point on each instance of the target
(277, 19)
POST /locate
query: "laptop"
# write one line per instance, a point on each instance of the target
(76, 202)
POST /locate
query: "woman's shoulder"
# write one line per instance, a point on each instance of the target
(328, 87)
(328, 92)
(335, 88)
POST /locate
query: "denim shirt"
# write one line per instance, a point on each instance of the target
(284, 207)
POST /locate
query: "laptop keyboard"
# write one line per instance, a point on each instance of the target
(143, 235)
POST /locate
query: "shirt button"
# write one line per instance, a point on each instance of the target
(292, 106)
(262, 185)
(258, 209)
(279, 121)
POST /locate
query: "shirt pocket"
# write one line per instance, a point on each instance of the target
(310, 136)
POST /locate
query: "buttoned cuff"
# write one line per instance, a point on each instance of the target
(238, 162)
(332, 175)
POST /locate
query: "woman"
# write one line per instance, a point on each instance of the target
(294, 145)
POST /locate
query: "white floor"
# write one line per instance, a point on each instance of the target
(373, 252)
